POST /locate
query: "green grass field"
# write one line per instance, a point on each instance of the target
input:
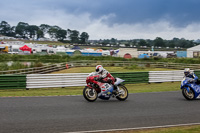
(111, 69)
(182, 129)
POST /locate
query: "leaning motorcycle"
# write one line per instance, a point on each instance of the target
(190, 90)
(93, 89)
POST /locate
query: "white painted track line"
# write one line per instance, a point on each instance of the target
(137, 128)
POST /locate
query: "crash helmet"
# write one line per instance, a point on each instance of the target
(99, 68)
(187, 71)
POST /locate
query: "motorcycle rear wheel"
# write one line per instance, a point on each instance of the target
(124, 96)
(90, 94)
(188, 95)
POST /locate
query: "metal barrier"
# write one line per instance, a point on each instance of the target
(40, 70)
(78, 79)
(12, 81)
(133, 77)
(165, 76)
(56, 80)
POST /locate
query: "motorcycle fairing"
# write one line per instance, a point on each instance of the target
(107, 90)
(188, 89)
(195, 87)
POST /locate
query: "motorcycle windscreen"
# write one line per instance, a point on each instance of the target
(118, 81)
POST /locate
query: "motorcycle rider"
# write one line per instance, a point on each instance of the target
(189, 74)
(105, 76)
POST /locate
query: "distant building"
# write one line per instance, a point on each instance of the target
(128, 52)
(6, 38)
(47, 39)
(193, 52)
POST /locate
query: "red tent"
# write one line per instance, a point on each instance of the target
(25, 48)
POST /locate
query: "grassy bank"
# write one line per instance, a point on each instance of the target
(132, 88)
(111, 69)
(182, 129)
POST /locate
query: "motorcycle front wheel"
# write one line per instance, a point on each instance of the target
(188, 95)
(123, 93)
(90, 94)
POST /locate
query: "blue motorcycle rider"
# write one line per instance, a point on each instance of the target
(189, 74)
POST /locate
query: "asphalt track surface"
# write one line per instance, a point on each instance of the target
(58, 114)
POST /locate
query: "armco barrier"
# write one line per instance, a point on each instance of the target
(133, 77)
(165, 76)
(12, 81)
(77, 79)
(56, 80)
(40, 70)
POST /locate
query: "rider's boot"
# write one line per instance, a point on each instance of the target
(115, 89)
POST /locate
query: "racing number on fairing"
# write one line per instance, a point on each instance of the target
(107, 86)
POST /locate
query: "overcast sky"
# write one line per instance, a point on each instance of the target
(106, 19)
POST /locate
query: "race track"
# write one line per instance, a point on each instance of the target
(59, 114)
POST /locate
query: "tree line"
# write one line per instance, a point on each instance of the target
(26, 31)
(158, 42)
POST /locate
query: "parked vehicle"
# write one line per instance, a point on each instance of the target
(171, 55)
(3, 49)
(190, 90)
(93, 89)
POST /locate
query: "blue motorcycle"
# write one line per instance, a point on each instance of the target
(190, 89)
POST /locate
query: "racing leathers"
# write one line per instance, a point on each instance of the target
(193, 76)
(106, 77)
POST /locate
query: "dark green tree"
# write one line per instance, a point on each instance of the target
(53, 31)
(142, 42)
(61, 34)
(21, 30)
(32, 31)
(5, 28)
(159, 42)
(74, 36)
(44, 28)
(40, 34)
(113, 41)
(84, 37)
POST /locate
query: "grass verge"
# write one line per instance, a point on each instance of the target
(111, 69)
(132, 88)
(181, 129)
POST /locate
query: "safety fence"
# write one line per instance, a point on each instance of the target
(12, 81)
(133, 77)
(39, 70)
(165, 76)
(78, 79)
(56, 80)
